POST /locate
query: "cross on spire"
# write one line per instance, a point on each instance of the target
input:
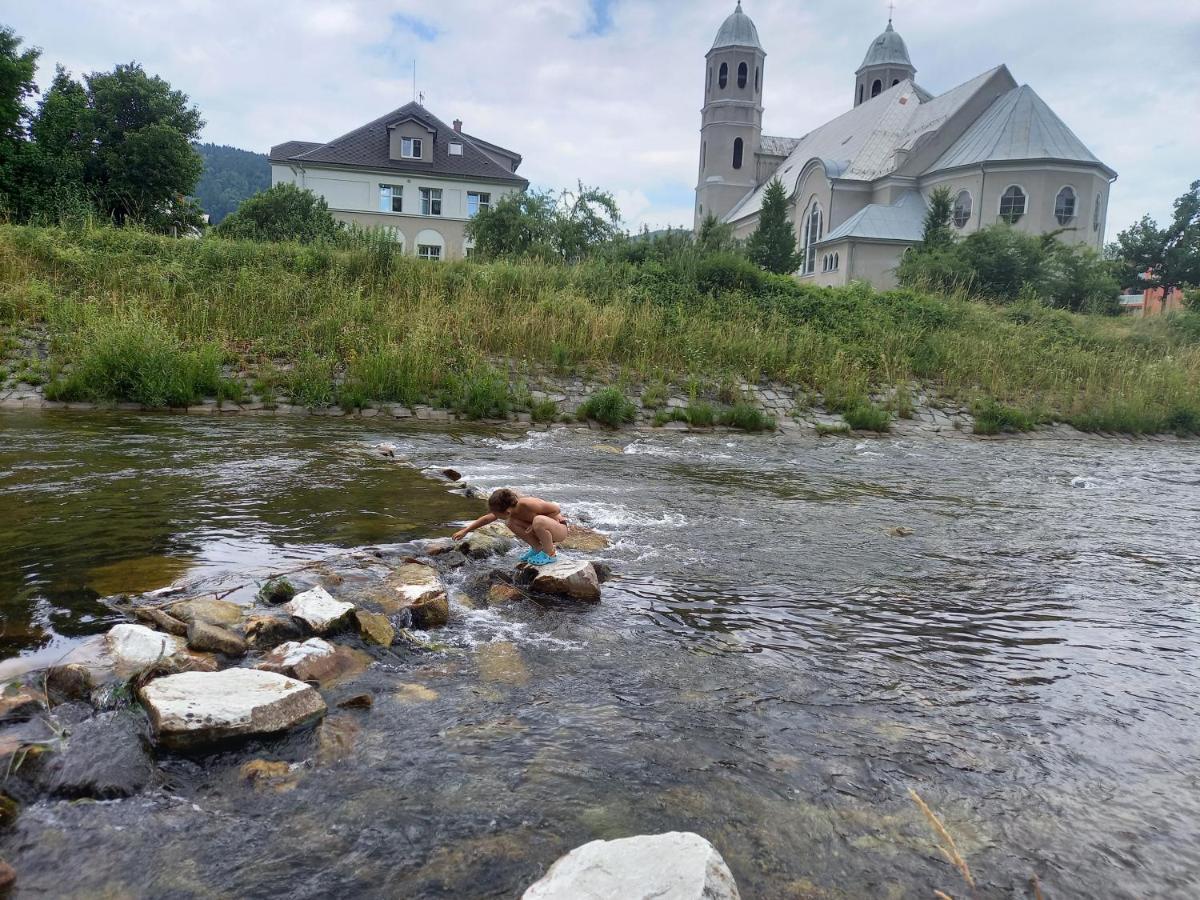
(891, 11)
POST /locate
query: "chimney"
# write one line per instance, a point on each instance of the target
(458, 125)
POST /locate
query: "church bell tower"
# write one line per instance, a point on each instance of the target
(731, 120)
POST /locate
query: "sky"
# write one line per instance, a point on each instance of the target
(608, 92)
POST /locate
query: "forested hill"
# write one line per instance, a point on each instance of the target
(230, 176)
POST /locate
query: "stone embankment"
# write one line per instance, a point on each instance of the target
(189, 672)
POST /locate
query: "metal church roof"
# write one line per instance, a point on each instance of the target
(903, 221)
(1017, 126)
(887, 49)
(737, 31)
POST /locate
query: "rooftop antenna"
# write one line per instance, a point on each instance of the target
(414, 80)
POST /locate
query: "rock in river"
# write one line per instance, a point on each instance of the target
(68, 682)
(488, 540)
(420, 590)
(567, 578)
(105, 758)
(316, 660)
(678, 865)
(215, 639)
(375, 628)
(266, 631)
(194, 710)
(319, 611)
(136, 646)
(208, 610)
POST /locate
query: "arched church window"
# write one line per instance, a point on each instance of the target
(743, 74)
(876, 87)
(708, 84)
(1064, 206)
(703, 153)
(723, 76)
(812, 233)
(1012, 204)
(757, 79)
(737, 153)
(836, 261)
(895, 81)
(861, 88)
(1097, 214)
(962, 209)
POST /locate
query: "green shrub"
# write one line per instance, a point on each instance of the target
(310, 383)
(352, 396)
(609, 406)
(865, 416)
(993, 418)
(655, 395)
(544, 411)
(700, 414)
(747, 417)
(901, 402)
(231, 389)
(482, 393)
(663, 416)
(824, 430)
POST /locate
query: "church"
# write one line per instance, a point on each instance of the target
(858, 185)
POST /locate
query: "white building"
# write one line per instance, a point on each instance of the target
(857, 186)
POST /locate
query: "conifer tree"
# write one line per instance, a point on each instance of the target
(773, 243)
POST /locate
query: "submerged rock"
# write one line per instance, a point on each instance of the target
(375, 628)
(69, 682)
(266, 774)
(8, 877)
(136, 646)
(488, 541)
(266, 632)
(105, 758)
(584, 540)
(499, 594)
(208, 610)
(316, 660)
(198, 709)
(674, 866)
(19, 701)
(319, 611)
(277, 591)
(336, 739)
(156, 618)
(501, 662)
(567, 578)
(215, 639)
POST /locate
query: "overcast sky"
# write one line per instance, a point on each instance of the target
(609, 91)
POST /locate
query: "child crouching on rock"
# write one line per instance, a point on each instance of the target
(539, 523)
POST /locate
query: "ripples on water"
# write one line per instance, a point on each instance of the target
(771, 668)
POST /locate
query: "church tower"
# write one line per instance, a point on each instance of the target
(885, 65)
(731, 120)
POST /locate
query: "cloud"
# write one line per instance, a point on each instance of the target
(609, 93)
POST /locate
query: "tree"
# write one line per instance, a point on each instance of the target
(16, 84)
(282, 213)
(773, 243)
(520, 224)
(937, 233)
(230, 176)
(1163, 257)
(715, 236)
(584, 221)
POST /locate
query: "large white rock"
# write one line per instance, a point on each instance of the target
(678, 865)
(416, 583)
(136, 646)
(196, 709)
(568, 578)
(319, 611)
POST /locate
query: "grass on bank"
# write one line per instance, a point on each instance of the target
(149, 319)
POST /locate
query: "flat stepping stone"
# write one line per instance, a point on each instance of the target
(319, 611)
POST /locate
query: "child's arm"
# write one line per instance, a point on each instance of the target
(478, 523)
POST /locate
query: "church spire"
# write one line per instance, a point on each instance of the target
(885, 65)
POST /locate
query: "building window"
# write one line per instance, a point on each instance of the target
(812, 234)
(455, 148)
(708, 84)
(743, 74)
(1012, 205)
(391, 198)
(703, 153)
(431, 201)
(723, 76)
(429, 251)
(737, 153)
(478, 202)
(836, 261)
(876, 87)
(895, 81)
(861, 88)
(962, 209)
(1097, 214)
(757, 79)
(410, 148)
(1064, 206)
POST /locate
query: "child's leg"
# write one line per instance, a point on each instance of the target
(547, 531)
(525, 534)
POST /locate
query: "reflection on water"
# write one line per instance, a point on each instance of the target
(772, 667)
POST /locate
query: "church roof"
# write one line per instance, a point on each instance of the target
(737, 31)
(1017, 126)
(368, 147)
(861, 143)
(777, 146)
(903, 221)
(886, 50)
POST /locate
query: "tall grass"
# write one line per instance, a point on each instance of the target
(388, 328)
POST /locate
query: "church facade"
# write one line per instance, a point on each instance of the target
(858, 185)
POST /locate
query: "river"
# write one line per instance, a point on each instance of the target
(771, 667)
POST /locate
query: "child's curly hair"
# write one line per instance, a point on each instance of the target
(502, 501)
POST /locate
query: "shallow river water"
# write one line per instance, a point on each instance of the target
(769, 668)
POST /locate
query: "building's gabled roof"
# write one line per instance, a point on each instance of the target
(1017, 126)
(886, 50)
(903, 221)
(771, 145)
(861, 143)
(368, 147)
(737, 31)
(282, 151)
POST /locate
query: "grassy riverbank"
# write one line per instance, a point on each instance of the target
(137, 317)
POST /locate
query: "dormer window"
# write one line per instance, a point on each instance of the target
(455, 148)
(410, 148)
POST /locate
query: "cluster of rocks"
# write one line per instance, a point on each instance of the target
(197, 673)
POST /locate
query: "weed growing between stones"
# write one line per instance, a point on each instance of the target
(866, 416)
(608, 406)
(544, 411)
(992, 418)
(747, 418)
